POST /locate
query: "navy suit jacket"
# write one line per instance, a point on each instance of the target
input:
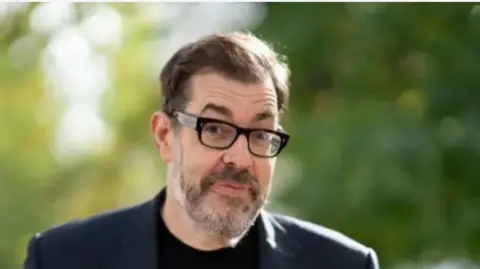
(126, 239)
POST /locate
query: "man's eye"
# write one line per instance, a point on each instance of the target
(218, 129)
(262, 136)
(213, 129)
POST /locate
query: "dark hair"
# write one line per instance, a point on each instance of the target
(239, 55)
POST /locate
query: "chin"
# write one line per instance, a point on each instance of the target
(226, 221)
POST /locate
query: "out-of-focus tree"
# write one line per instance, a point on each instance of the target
(385, 121)
(39, 189)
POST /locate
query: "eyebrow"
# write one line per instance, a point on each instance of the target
(224, 111)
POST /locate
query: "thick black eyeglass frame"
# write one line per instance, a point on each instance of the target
(197, 123)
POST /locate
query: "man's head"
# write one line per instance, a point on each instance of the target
(218, 131)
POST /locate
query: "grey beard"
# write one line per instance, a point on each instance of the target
(234, 222)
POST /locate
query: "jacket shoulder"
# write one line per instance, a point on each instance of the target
(319, 241)
(75, 241)
(95, 226)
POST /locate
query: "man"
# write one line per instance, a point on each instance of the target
(219, 133)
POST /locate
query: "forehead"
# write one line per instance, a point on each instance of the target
(242, 99)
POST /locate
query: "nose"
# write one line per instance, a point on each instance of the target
(238, 154)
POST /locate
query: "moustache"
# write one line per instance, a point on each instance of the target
(240, 176)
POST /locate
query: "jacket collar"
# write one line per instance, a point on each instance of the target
(136, 247)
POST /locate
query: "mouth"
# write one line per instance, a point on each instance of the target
(230, 188)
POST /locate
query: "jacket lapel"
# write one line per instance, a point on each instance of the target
(137, 249)
(277, 250)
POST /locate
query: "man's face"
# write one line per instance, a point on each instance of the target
(223, 190)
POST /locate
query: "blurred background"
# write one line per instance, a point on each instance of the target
(384, 117)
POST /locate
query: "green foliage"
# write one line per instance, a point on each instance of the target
(384, 119)
(389, 145)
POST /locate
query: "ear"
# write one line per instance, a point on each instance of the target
(160, 127)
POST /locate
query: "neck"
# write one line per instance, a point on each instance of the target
(180, 224)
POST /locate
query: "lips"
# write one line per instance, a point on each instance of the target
(232, 185)
(229, 188)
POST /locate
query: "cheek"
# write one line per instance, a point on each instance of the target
(199, 161)
(264, 170)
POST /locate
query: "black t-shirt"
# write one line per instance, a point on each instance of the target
(174, 254)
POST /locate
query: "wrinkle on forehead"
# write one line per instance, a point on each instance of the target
(243, 105)
(254, 97)
(243, 114)
(244, 99)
